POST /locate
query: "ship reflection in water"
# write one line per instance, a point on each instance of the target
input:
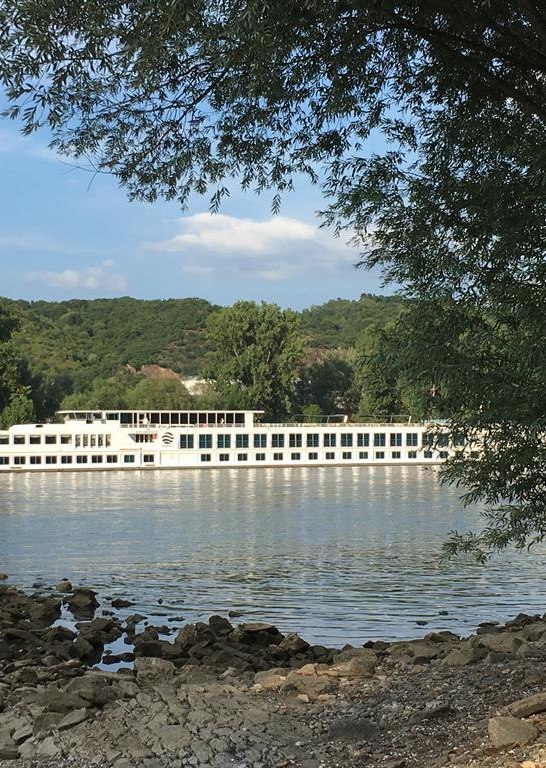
(338, 554)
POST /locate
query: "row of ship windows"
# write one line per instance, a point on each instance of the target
(79, 441)
(312, 440)
(149, 458)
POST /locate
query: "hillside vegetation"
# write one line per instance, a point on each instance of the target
(70, 347)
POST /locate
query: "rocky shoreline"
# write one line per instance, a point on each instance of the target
(215, 694)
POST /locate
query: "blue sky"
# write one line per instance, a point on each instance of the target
(64, 234)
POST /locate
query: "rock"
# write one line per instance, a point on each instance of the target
(3, 577)
(461, 657)
(64, 586)
(93, 689)
(220, 626)
(82, 603)
(73, 718)
(153, 669)
(271, 679)
(119, 602)
(257, 633)
(530, 705)
(358, 666)
(9, 753)
(293, 644)
(235, 614)
(43, 724)
(504, 642)
(511, 732)
(22, 734)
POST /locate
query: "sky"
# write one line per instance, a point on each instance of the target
(66, 234)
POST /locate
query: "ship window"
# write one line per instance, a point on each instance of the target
(295, 456)
(363, 439)
(395, 439)
(379, 440)
(346, 440)
(313, 440)
(224, 457)
(165, 418)
(78, 439)
(51, 460)
(129, 458)
(380, 454)
(96, 459)
(428, 439)
(85, 440)
(396, 454)
(205, 457)
(427, 455)
(363, 455)
(81, 459)
(148, 458)
(205, 441)
(260, 457)
(412, 454)
(230, 418)
(294, 441)
(4, 459)
(4, 439)
(111, 459)
(184, 420)
(412, 439)
(186, 441)
(224, 441)
(154, 418)
(277, 441)
(175, 419)
(443, 454)
(66, 459)
(35, 440)
(66, 439)
(51, 439)
(35, 459)
(239, 418)
(330, 455)
(100, 440)
(241, 441)
(313, 456)
(347, 455)
(108, 440)
(92, 440)
(18, 439)
(277, 456)
(260, 441)
(126, 418)
(193, 418)
(329, 440)
(242, 457)
(19, 460)
(112, 416)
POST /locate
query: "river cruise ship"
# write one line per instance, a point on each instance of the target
(99, 440)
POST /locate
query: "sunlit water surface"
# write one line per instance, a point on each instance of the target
(337, 554)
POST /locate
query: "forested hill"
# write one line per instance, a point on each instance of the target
(84, 340)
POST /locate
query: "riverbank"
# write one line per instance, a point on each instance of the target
(218, 694)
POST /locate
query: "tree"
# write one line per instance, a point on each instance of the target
(16, 407)
(159, 394)
(181, 97)
(329, 384)
(256, 349)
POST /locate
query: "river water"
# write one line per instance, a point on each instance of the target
(338, 554)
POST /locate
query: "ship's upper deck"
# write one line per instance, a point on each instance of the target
(145, 418)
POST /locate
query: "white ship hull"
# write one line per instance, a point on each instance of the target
(131, 440)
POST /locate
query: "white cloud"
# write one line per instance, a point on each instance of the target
(91, 279)
(30, 242)
(276, 249)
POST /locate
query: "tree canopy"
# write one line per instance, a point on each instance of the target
(255, 353)
(424, 122)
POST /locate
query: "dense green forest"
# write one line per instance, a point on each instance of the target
(75, 350)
